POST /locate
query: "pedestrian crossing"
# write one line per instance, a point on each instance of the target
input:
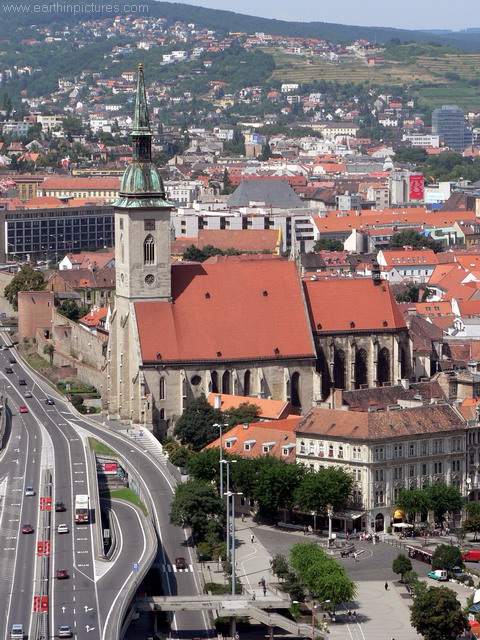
(171, 568)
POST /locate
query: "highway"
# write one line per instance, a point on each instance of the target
(48, 450)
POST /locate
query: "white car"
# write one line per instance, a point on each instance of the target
(62, 528)
(29, 491)
(64, 631)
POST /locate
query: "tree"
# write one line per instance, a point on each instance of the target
(472, 522)
(413, 238)
(266, 153)
(71, 310)
(275, 485)
(446, 557)
(328, 485)
(194, 505)
(180, 456)
(205, 465)
(437, 615)
(411, 293)
(442, 498)
(413, 501)
(328, 245)
(196, 424)
(401, 565)
(195, 254)
(27, 279)
(49, 350)
(243, 414)
(279, 566)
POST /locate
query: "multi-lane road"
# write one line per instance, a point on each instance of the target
(47, 449)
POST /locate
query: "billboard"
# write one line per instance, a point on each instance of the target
(416, 187)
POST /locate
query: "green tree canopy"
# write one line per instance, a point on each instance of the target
(27, 279)
(328, 245)
(442, 498)
(196, 424)
(70, 309)
(194, 505)
(330, 485)
(415, 239)
(275, 484)
(412, 291)
(413, 501)
(401, 564)
(437, 615)
(195, 254)
(243, 414)
(446, 556)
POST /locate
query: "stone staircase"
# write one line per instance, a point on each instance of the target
(276, 620)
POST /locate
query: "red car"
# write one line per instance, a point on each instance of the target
(61, 574)
(23, 409)
(27, 528)
(180, 563)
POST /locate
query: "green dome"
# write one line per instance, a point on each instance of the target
(142, 179)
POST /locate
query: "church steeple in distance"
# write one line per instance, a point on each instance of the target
(142, 185)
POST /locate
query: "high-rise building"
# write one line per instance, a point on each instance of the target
(448, 123)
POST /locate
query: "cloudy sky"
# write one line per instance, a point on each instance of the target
(408, 14)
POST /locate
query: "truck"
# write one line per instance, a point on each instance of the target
(82, 509)
(17, 632)
(438, 574)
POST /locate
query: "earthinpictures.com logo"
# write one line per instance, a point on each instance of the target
(74, 9)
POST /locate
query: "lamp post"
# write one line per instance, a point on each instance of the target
(232, 494)
(312, 609)
(227, 463)
(329, 514)
(220, 426)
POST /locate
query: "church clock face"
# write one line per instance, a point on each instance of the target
(150, 278)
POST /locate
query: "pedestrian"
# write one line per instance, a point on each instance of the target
(354, 614)
(253, 596)
(355, 556)
(386, 586)
(304, 529)
(252, 538)
(264, 590)
(310, 530)
(243, 517)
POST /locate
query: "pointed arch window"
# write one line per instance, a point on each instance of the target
(149, 250)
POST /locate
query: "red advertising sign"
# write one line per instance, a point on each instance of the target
(44, 603)
(36, 604)
(46, 548)
(39, 548)
(108, 468)
(42, 504)
(48, 502)
(416, 187)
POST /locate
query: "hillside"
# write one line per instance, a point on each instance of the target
(18, 16)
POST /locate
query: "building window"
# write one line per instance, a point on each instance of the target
(321, 452)
(398, 451)
(411, 449)
(149, 250)
(425, 448)
(397, 473)
(246, 383)
(438, 446)
(161, 390)
(149, 225)
(411, 471)
(437, 467)
(379, 499)
(340, 451)
(330, 450)
(424, 470)
(302, 446)
(379, 453)
(379, 475)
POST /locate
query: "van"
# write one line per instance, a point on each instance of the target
(472, 555)
(17, 632)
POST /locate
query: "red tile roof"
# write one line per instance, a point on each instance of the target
(93, 317)
(334, 304)
(81, 183)
(268, 409)
(239, 239)
(231, 310)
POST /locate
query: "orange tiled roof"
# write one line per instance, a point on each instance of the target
(270, 409)
(93, 318)
(276, 436)
(239, 239)
(232, 310)
(334, 304)
(81, 183)
(39, 202)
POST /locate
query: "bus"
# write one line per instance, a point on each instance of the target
(420, 553)
(82, 509)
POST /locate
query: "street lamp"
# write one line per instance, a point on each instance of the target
(312, 609)
(227, 462)
(220, 426)
(329, 514)
(232, 494)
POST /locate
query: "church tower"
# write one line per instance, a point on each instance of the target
(142, 217)
(142, 263)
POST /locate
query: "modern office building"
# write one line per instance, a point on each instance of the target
(33, 234)
(448, 123)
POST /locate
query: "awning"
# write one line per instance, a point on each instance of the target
(399, 513)
(351, 514)
(475, 608)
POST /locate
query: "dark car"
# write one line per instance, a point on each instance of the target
(8, 370)
(49, 401)
(181, 563)
(27, 528)
(61, 574)
(59, 506)
(22, 382)
(12, 361)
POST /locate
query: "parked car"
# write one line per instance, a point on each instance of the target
(457, 573)
(472, 555)
(23, 409)
(29, 491)
(439, 574)
(61, 574)
(5, 347)
(27, 528)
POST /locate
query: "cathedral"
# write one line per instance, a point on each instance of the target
(241, 325)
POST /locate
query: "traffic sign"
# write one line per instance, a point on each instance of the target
(39, 548)
(36, 604)
(44, 603)
(134, 566)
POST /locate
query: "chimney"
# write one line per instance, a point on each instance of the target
(337, 399)
(405, 383)
(217, 401)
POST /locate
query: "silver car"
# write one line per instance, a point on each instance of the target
(29, 491)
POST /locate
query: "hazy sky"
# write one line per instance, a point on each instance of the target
(407, 14)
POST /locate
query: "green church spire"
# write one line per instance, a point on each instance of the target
(142, 185)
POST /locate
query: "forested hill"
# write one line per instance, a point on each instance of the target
(19, 14)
